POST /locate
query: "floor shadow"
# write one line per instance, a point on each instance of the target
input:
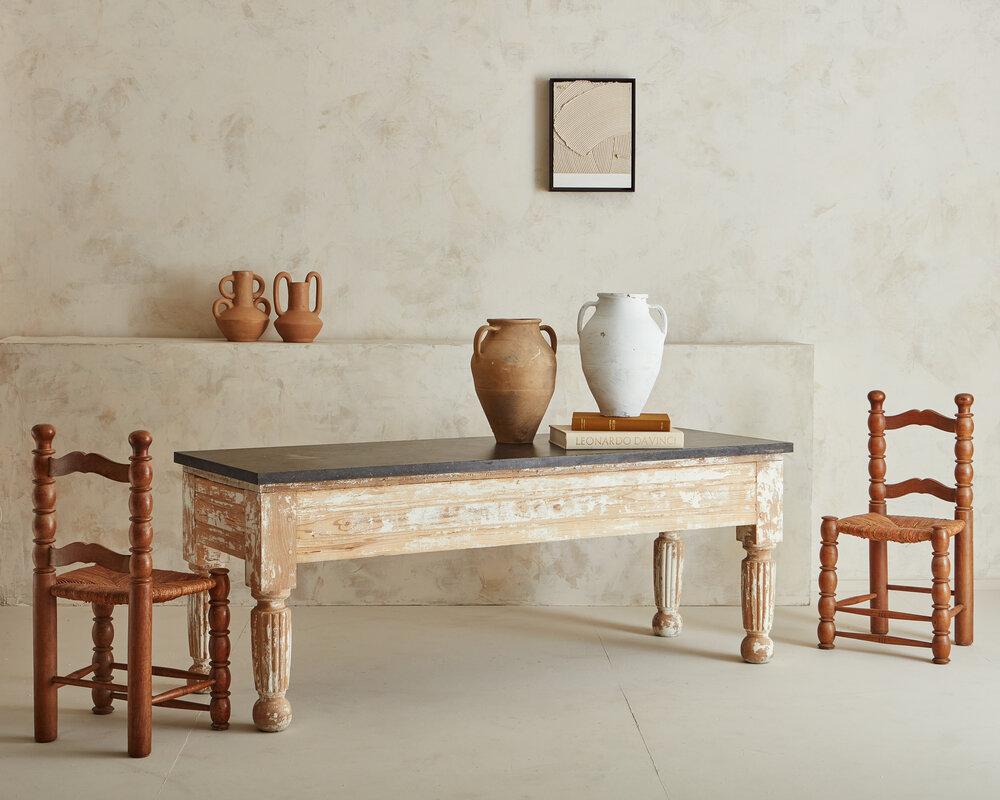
(592, 621)
(13, 738)
(644, 638)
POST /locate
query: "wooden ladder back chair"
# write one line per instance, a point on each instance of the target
(880, 528)
(116, 579)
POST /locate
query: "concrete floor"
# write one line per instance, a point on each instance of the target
(517, 702)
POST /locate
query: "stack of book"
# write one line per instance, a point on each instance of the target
(592, 431)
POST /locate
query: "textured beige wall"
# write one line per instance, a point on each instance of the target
(203, 394)
(822, 172)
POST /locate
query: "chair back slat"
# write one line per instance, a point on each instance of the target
(961, 425)
(88, 553)
(138, 473)
(920, 486)
(925, 417)
(88, 462)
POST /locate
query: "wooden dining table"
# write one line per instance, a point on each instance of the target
(277, 507)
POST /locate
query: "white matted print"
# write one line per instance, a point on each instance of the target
(592, 134)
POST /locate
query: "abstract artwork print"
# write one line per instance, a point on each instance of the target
(593, 134)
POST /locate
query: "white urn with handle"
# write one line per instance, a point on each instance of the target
(621, 347)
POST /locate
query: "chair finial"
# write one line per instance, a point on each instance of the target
(43, 435)
(140, 441)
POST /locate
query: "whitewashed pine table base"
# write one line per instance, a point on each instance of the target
(273, 527)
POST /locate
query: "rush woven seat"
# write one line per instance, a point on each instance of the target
(893, 528)
(97, 584)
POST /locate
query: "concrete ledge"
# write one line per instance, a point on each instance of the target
(200, 394)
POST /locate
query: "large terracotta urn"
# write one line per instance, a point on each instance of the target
(514, 370)
(621, 347)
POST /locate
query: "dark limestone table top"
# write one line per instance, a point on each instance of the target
(331, 462)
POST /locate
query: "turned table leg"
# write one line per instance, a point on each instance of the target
(668, 568)
(757, 568)
(757, 597)
(270, 567)
(271, 647)
(198, 633)
(202, 560)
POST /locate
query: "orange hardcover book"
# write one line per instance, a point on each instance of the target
(592, 421)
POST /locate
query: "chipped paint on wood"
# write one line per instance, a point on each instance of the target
(271, 649)
(757, 583)
(201, 558)
(770, 499)
(668, 571)
(270, 548)
(449, 515)
(198, 632)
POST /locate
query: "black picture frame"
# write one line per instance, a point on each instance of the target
(551, 132)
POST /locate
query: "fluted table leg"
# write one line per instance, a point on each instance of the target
(198, 634)
(271, 645)
(758, 602)
(668, 569)
(201, 560)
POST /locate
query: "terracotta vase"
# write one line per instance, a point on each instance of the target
(514, 370)
(236, 312)
(298, 323)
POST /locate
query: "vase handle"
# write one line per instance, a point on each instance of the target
(266, 303)
(579, 317)
(662, 312)
(257, 279)
(277, 286)
(229, 295)
(221, 305)
(319, 290)
(552, 335)
(477, 342)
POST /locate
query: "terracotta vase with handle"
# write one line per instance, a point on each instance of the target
(514, 371)
(298, 323)
(236, 312)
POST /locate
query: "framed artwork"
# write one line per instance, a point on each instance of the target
(592, 136)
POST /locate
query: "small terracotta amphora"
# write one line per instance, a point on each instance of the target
(236, 312)
(514, 370)
(298, 323)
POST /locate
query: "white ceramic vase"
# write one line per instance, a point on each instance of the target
(621, 348)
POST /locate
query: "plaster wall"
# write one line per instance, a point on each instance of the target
(823, 172)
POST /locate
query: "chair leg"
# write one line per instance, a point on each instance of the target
(140, 675)
(878, 581)
(941, 595)
(218, 648)
(44, 652)
(103, 634)
(964, 592)
(826, 631)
